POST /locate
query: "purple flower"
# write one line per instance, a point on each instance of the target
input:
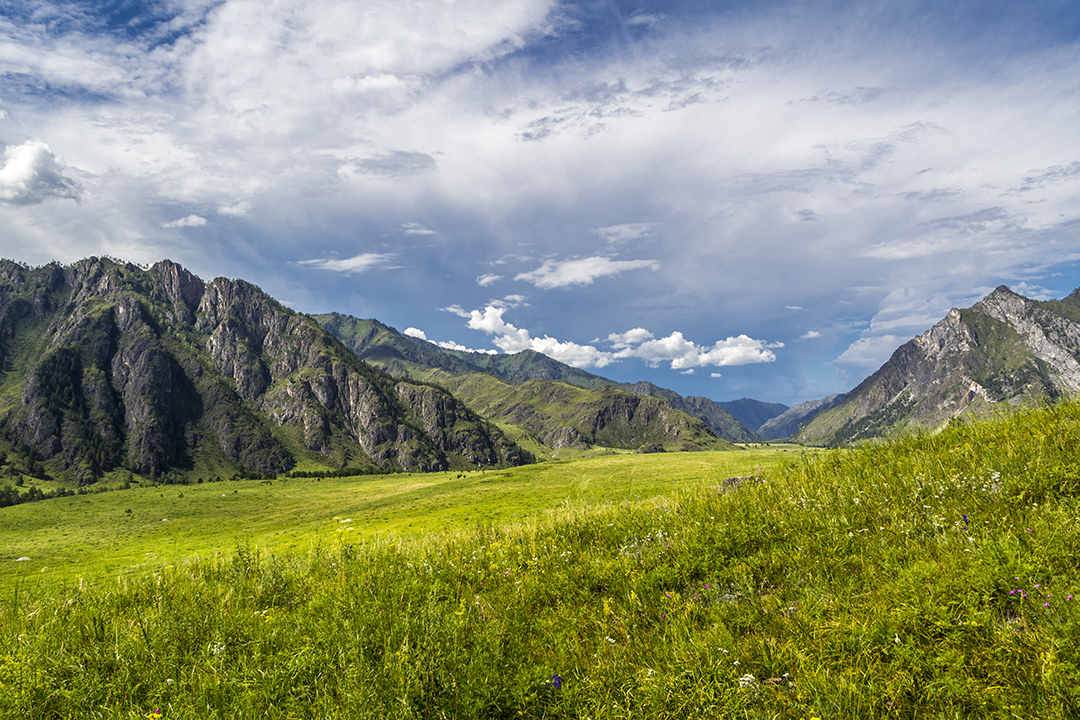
(556, 681)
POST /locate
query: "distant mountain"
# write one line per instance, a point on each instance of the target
(753, 413)
(106, 366)
(787, 423)
(406, 356)
(1006, 349)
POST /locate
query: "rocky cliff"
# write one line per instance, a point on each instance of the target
(107, 365)
(1004, 349)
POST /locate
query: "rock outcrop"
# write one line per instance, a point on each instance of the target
(107, 365)
(1005, 349)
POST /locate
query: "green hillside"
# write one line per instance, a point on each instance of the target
(498, 386)
(932, 576)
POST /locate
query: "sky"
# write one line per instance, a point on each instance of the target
(730, 199)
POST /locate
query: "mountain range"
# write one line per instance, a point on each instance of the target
(109, 367)
(559, 405)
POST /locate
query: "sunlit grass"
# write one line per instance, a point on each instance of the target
(935, 576)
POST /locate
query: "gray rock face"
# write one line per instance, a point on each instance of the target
(156, 371)
(1004, 349)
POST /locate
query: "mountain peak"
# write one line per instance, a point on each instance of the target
(1006, 348)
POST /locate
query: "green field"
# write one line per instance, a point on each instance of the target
(97, 536)
(935, 576)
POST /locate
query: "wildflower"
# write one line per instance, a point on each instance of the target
(556, 681)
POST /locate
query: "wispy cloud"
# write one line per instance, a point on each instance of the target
(413, 228)
(560, 274)
(624, 232)
(350, 266)
(189, 221)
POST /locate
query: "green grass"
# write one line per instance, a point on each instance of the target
(928, 577)
(100, 535)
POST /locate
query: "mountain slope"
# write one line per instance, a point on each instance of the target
(106, 366)
(559, 415)
(1004, 349)
(402, 355)
(753, 413)
(787, 423)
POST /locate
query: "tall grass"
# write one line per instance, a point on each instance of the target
(933, 576)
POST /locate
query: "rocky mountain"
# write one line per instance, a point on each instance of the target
(1006, 349)
(490, 384)
(104, 365)
(787, 423)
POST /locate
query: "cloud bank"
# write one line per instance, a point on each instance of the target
(872, 164)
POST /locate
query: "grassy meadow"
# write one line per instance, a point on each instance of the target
(935, 576)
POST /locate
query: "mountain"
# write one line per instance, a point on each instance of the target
(105, 366)
(753, 413)
(787, 423)
(491, 384)
(1005, 349)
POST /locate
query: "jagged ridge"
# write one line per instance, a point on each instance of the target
(107, 365)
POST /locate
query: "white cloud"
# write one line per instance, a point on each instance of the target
(488, 279)
(237, 209)
(580, 272)
(624, 232)
(630, 337)
(810, 335)
(869, 353)
(416, 333)
(682, 353)
(189, 221)
(356, 264)
(637, 343)
(715, 375)
(451, 345)
(416, 229)
(32, 174)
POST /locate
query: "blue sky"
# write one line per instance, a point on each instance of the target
(757, 199)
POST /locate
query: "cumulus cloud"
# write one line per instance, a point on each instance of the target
(810, 335)
(682, 353)
(638, 343)
(32, 174)
(580, 272)
(630, 337)
(349, 266)
(189, 221)
(416, 333)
